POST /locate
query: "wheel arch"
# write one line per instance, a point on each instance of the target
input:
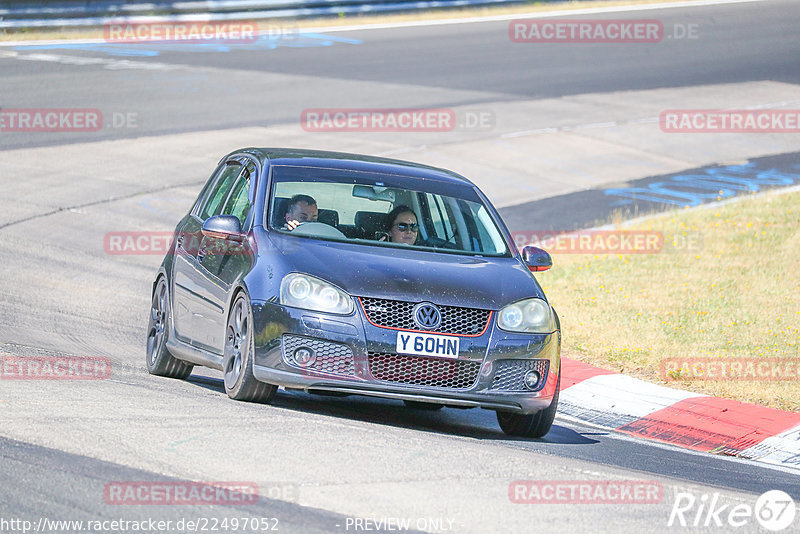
(238, 288)
(161, 272)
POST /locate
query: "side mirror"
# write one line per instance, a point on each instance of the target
(536, 259)
(223, 227)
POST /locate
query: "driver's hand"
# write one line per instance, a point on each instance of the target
(291, 225)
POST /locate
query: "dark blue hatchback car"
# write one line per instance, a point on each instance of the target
(342, 273)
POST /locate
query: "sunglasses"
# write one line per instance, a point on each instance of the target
(407, 227)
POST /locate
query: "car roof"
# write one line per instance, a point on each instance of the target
(360, 162)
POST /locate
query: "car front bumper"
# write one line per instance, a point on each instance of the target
(356, 357)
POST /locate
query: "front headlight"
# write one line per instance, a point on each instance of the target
(533, 316)
(310, 293)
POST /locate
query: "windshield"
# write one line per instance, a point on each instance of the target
(382, 210)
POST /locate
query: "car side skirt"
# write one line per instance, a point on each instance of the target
(194, 355)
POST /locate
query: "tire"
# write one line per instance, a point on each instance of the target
(159, 360)
(237, 361)
(426, 406)
(535, 425)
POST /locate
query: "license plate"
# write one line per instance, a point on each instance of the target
(427, 345)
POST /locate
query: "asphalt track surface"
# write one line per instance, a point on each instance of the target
(320, 462)
(440, 66)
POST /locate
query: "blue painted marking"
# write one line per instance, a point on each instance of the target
(144, 204)
(695, 189)
(267, 41)
(133, 50)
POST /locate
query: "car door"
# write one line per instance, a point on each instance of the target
(193, 314)
(220, 262)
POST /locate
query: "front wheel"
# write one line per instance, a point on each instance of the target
(237, 362)
(159, 360)
(535, 425)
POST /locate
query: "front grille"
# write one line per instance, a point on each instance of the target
(331, 358)
(423, 371)
(399, 314)
(509, 374)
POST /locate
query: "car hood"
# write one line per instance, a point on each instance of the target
(409, 275)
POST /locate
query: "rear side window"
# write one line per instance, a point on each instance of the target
(440, 217)
(238, 203)
(219, 193)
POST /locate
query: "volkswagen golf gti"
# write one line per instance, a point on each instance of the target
(346, 274)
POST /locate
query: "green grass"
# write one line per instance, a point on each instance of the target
(737, 294)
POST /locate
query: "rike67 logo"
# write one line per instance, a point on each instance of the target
(774, 511)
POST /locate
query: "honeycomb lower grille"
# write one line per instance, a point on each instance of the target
(422, 371)
(330, 358)
(399, 314)
(509, 375)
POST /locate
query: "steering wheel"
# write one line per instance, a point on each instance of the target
(317, 229)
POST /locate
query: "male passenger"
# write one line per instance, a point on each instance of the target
(301, 208)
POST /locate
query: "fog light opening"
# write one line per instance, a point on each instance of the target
(304, 356)
(532, 379)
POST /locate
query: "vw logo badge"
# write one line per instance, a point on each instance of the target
(427, 316)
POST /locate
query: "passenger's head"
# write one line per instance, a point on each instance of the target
(401, 225)
(302, 208)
